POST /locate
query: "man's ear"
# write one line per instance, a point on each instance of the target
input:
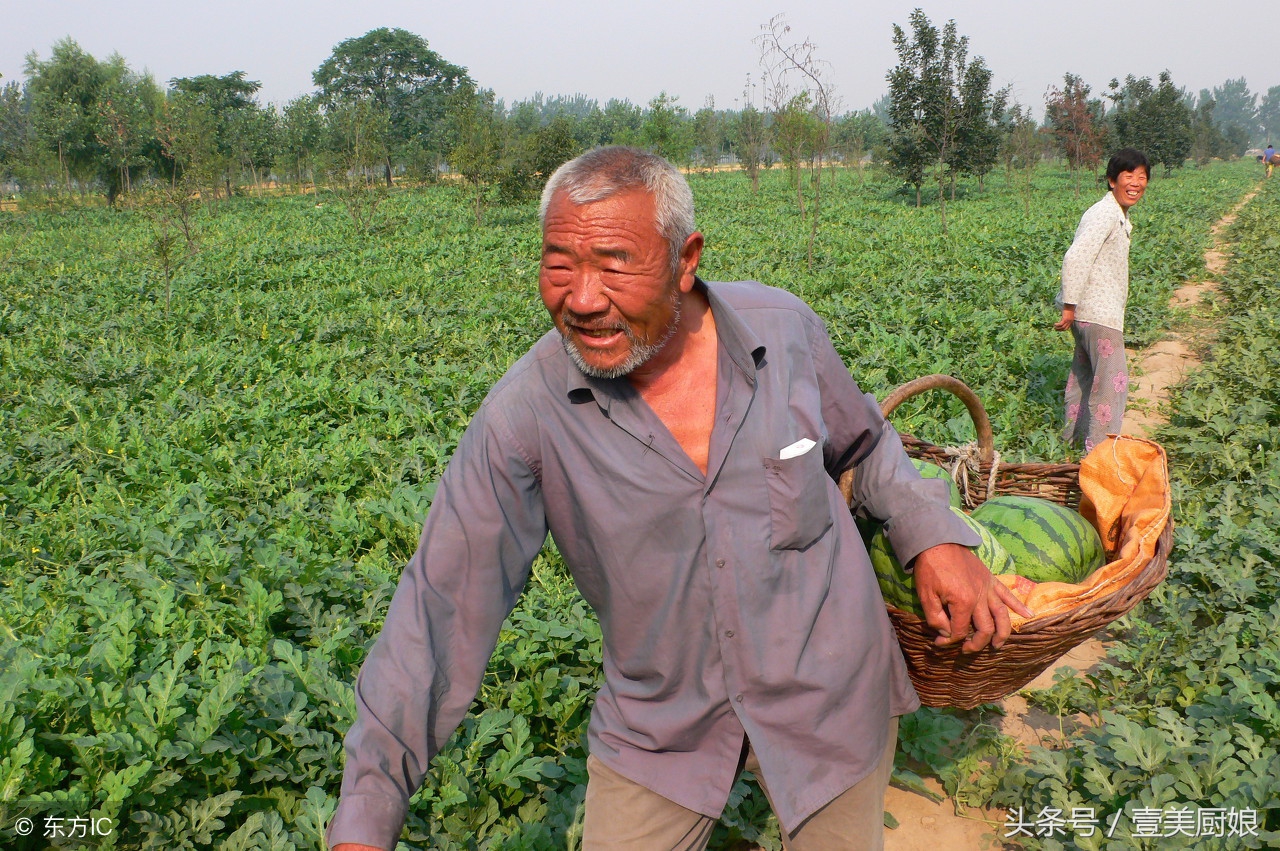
(690, 256)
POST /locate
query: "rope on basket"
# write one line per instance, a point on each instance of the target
(966, 458)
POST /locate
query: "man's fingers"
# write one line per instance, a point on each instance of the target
(1011, 600)
(1001, 614)
(962, 624)
(935, 615)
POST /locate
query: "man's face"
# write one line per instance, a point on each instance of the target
(1129, 186)
(606, 279)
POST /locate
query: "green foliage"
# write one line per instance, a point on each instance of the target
(666, 130)
(1269, 114)
(1077, 124)
(749, 139)
(1235, 106)
(94, 115)
(403, 78)
(1155, 119)
(222, 128)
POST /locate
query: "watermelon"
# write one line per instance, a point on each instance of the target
(899, 587)
(929, 470)
(1048, 542)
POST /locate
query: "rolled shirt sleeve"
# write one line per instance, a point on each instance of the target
(485, 526)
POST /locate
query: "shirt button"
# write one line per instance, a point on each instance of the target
(719, 562)
(728, 633)
(738, 698)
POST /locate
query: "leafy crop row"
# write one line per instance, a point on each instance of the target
(204, 509)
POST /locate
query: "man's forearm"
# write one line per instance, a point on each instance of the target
(915, 510)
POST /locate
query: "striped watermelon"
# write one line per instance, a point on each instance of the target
(929, 470)
(1048, 542)
(899, 587)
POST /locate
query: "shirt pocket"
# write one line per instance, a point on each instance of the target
(799, 508)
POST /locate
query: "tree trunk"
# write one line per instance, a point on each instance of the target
(942, 205)
(388, 171)
(66, 174)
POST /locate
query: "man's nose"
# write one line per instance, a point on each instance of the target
(587, 294)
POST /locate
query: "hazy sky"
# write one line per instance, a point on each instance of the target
(689, 48)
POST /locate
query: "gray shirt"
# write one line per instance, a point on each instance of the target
(737, 603)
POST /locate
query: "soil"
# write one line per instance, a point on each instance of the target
(924, 825)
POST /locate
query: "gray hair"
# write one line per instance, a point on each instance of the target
(603, 172)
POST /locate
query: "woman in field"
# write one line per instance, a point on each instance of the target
(1095, 289)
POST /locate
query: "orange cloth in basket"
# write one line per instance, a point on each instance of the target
(1124, 484)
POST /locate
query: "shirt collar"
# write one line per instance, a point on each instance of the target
(1120, 211)
(734, 336)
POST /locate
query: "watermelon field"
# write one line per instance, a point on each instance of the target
(215, 457)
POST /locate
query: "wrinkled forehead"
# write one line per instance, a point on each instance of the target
(635, 207)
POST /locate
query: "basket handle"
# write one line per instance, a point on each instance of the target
(981, 422)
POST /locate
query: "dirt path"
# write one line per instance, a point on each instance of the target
(928, 826)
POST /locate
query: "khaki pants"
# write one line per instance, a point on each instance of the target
(625, 816)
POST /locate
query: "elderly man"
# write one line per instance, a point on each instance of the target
(680, 440)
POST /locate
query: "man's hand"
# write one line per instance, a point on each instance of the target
(354, 846)
(1068, 316)
(962, 600)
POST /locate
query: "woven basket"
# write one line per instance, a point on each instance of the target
(945, 676)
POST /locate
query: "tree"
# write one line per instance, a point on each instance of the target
(927, 102)
(749, 139)
(666, 129)
(301, 137)
(127, 109)
(1152, 118)
(781, 61)
(1236, 106)
(708, 134)
(857, 136)
(356, 145)
(476, 130)
(796, 133)
(399, 75)
(529, 158)
(802, 121)
(1022, 146)
(228, 106)
(95, 115)
(1207, 140)
(979, 134)
(553, 146)
(617, 124)
(188, 134)
(16, 132)
(1077, 125)
(1269, 114)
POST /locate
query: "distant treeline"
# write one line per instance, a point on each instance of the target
(387, 107)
